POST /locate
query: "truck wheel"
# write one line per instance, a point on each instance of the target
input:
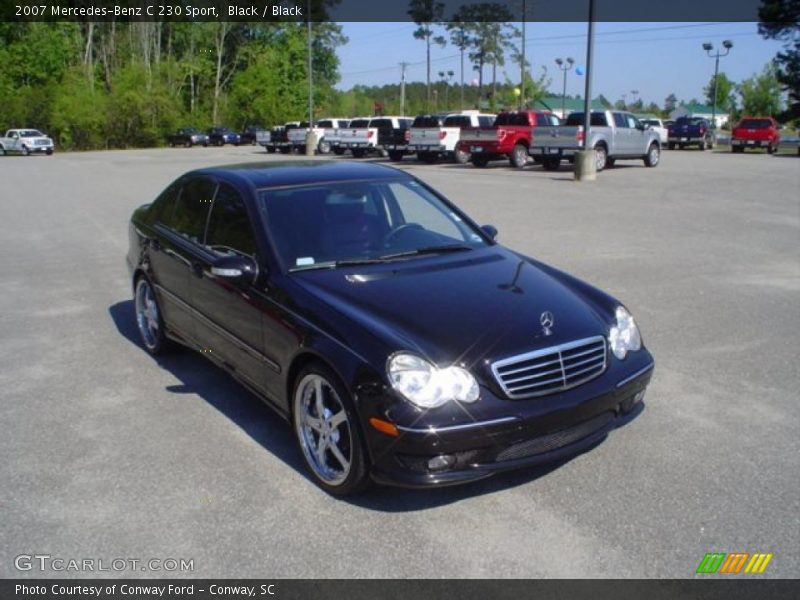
(49, 151)
(479, 161)
(551, 164)
(462, 157)
(396, 155)
(25, 151)
(358, 153)
(601, 157)
(702, 146)
(2, 151)
(653, 156)
(771, 149)
(519, 156)
(324, 147)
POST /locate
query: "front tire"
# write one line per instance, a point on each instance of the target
(519, 156)
(327, 432)
(653, 156)
(49, 151)
(148, 318)
(25, 151)
(324, 147)
(461, 156)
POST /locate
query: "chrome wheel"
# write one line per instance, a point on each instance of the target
(323, 429)
(147, 317)
(600, 158)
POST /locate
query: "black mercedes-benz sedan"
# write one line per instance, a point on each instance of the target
(402, 343)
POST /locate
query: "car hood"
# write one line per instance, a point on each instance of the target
(470, 308)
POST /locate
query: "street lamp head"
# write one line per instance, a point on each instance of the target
(559, 62)
(728, 44)
(570, 61)
(708, 47)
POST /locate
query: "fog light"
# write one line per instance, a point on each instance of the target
(441, 463)
(638, 397)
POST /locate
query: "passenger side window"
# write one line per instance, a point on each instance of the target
(192, 207)
(620, 121)
(632, 121)
(229, 229)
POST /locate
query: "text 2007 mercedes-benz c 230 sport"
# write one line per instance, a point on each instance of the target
(400, 340)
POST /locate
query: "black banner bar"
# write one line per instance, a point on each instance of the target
(418, 589)
(376, 10)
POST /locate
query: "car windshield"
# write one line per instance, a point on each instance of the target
(30, 133)
(335, 224)
(755, 123)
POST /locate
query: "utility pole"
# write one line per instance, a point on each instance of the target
(586, 159)
(727, 44)
(311, 138)
(522, 60)
(403, 66)
(564, 66)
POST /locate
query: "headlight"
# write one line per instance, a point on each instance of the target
(624, 336)
(428, 386)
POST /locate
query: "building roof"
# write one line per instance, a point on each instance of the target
(570, 104)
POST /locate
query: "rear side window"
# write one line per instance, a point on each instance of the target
(620, 120)
(512, 119)
(546, 120)
(381, 123)
(359, 123)
(229, 229)
(597, 119)
(163, 207)
(485, 121)
(191, 210)
(325, 124)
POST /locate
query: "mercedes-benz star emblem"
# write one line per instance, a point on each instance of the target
(547, 320)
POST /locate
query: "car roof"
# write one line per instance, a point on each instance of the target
(302, 172)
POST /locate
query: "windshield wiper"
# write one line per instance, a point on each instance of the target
(428, 250)
(352, 262)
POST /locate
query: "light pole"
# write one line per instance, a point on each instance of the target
(634, 93)
(564, 66)
(708, 47)
(446, 77)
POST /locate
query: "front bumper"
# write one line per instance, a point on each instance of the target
(476, 450)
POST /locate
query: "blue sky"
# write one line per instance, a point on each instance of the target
(654, 58)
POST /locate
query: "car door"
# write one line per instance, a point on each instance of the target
(622, 135)
(639, 136)
(178, 232)
(229, 317)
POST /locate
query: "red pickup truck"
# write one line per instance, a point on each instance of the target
(755, 132)
(510, 136)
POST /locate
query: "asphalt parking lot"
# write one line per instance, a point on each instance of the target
(107, 453)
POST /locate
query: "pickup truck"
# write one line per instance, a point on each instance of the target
(264, 139)
(433, 137)
(510, 136)
(755, 132)
(614, 135)
(385, 135)
(657, 125)
(279, 137)
(219, 136)
(690, 131)
(249, 135)
(25, 141)
(325, 129)
(188, 137)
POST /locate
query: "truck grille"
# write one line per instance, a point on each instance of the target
(41, 143)
(552, 369)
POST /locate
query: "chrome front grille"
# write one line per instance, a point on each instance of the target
(551, 370)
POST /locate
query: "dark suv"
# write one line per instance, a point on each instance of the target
(219, 136)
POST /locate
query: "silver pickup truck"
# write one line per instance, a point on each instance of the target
(25, 141)
(614, 135)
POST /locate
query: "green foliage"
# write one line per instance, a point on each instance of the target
(780, 20)
(725, 92)
(93, 85)
(761, 94)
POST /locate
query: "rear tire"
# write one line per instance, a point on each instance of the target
(771, 149)
(653, 156)
(149, 322)
(601, 158)
(324, 147)
(461, 157)
(396, 155)
(358, 152)
(327, 432)
(479, 161)
(49, 152)
(519, 156)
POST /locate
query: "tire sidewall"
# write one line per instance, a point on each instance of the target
(161, 341)
(358, 477)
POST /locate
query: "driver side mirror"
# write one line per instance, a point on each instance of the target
(235, 267)
(490, 230)
(642, 127)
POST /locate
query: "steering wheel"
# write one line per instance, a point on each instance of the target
(394, 233)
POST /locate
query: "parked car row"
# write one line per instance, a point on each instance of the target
(216, 136)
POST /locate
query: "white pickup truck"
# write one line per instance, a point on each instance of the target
(358, 137)
(613, 134)
(433, 137)
(26, 141)
(326, 130)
